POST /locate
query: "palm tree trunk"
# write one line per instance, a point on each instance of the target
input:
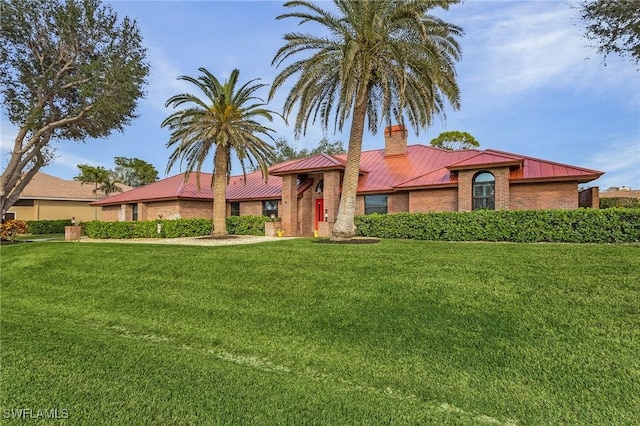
(220, 191)
(345, 227)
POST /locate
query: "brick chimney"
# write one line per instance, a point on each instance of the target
(395, 140)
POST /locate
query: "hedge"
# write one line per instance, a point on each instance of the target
(567, 226)
(236, 225)
(626, 202)
(39, 227)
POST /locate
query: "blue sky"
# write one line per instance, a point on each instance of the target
(529, 84)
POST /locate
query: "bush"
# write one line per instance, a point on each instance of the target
(237, 225)
(149, 229)
(9, 229)
(569, 226)
(625, 202)
(38, 227)
(246, 225)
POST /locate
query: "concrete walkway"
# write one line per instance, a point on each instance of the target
(192, 241)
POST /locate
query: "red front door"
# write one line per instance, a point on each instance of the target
(319, 212)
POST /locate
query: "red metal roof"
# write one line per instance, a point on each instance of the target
(422, 167)
(175, 187)
(317, 162)
(486, 159)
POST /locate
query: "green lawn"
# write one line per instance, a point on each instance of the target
(292, 332)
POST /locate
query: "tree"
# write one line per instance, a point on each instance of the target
(283, 151)
(380, 61)
(327, 147)
(110, 185)
(68, 70)
(92, 174)
(614, 25)
(103, 180)
(454, 140)
(223, 121)
(134, 171)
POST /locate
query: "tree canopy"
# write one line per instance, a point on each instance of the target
(103, 180)
(454, 140)
(375, 61)
(614, 26)
(284, 151)
(69, 69)
(222, 121)
(134, 171)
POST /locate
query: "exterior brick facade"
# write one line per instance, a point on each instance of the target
(434, 200)
(414, 178)
(547, 195)
(398, 203)
(465, 188)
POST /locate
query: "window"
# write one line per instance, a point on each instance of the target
(134, 212)
(484, 188)
(235, 209)
(270, 208)
(9, 216)
(375, 204)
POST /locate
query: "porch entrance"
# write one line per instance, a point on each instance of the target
(319, 217)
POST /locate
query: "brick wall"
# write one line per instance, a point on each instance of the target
(398, 203)
(550, 195)
(433, 200)
(110, 213)
(331, 194)
(589, 197)
(196, 209)
(465, 188)
(288, 208)
(359, 204)
(168, 210)
(253, 208)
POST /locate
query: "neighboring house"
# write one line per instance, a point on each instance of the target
(50, 197)
(305, 193)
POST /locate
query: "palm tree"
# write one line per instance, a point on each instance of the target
(221, 122)
(379, 61)
(110, 184)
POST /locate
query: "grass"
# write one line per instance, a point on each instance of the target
(401, 332)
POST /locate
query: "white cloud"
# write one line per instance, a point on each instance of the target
(163, 81)
(528, 46)
(619, 158)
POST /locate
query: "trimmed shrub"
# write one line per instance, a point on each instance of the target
(237, 225)
(568, 226)
(149, 229)
(246, 225)
(39, 227)
(625, 202)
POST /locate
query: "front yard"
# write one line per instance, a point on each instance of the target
(292, 332)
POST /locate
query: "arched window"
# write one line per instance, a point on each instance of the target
(484, 190)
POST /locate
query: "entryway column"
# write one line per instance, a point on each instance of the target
(289, 205)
